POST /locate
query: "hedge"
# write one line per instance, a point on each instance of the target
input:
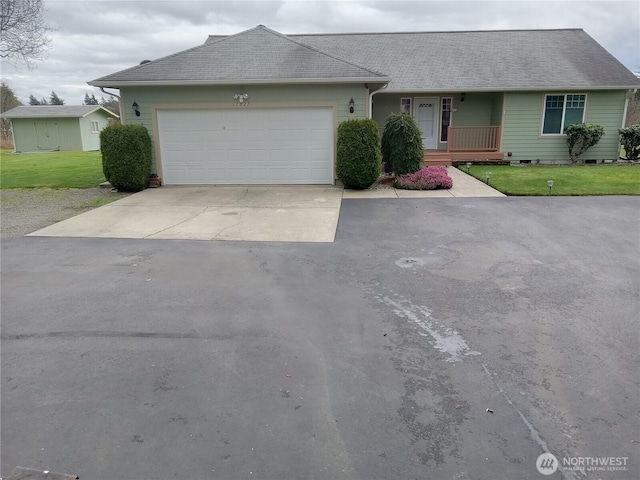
(358, 153)
(126, 156)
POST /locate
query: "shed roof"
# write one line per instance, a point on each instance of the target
(54, 111)
(259, 55)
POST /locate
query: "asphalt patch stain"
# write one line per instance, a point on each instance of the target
(181, 420)
(285, 393)
(436, 258)
(428, 401)
(137, 439)
(99, 334)
(226, 457)
(162, 384)
(298, 407)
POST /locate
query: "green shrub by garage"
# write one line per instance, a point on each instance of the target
(402, 144)
(126, 156)
(358, 156)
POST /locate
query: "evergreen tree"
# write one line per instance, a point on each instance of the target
(33, 100)
(90, 100)
(55, 100)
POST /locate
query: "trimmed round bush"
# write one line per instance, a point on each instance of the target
(402, 144)
(358, 153)
(428, 178)
(126, 156)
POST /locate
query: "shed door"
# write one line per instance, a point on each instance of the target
(47, 135)
(247, 146)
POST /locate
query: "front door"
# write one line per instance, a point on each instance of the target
(426, 117)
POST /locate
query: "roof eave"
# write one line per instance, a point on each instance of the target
(511, 89)
(239, 81)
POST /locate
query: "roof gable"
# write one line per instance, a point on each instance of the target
(259, 55)
(55, 111)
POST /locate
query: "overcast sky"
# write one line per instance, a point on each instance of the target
(93, 38)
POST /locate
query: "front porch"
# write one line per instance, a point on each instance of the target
(468, 144)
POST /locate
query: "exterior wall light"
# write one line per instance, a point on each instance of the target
(352, 106)
(136, 108)
(550, 185)
(241, 98)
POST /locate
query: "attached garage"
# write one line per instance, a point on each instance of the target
(284, 145)
(252, 108)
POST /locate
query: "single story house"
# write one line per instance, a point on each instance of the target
(39, 128)
(263, 107)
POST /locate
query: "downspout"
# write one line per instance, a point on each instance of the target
(370, 113)
(119, 103)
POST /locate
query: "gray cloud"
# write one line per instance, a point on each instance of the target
(94, 38)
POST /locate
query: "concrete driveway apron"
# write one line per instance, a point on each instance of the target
(251, 213)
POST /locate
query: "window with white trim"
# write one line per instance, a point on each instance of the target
(560, 111)
(405, 105)
(445, 118)
(95, 127)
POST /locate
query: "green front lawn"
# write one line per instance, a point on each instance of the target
(51, 169)
(568, 180)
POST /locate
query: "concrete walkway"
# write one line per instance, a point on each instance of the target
(301, 213)
(463, 186)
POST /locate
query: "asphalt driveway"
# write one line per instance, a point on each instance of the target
(373, 357)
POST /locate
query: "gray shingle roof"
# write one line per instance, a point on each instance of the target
(254, 56)
(53, 111)
(481, 60)
(414, 61)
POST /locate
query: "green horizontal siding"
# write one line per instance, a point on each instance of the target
(149, 97)
(522, 127)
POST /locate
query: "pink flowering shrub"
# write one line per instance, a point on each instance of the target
(428, 178)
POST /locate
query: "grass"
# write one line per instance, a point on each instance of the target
(568, 180)
(52, 169)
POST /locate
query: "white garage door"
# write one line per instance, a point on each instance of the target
(244, 145)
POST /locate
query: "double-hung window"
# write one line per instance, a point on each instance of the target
(560, 111)
(95, 127)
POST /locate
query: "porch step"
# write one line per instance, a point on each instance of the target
(436, 159)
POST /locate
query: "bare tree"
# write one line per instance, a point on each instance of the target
(8, 100)
(23, 31)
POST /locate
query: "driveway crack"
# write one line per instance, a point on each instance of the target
(204, 209)
(225, 229)
(238, 200)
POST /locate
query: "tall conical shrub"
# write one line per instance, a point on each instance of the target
(402, 143)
